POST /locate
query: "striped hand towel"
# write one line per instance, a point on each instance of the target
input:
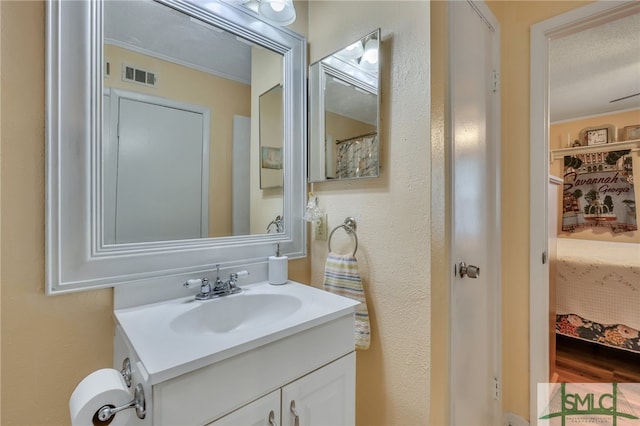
(341, 276)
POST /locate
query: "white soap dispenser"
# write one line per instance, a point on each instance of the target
(278, 268)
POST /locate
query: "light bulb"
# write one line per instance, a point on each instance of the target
(279, 12)
(277, 6)
(371, 52)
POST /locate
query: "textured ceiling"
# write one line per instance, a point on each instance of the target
(156, 30)
(590, 68)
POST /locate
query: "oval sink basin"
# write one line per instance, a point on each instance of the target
(236, 313)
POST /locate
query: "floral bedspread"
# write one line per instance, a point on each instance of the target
(613, 335)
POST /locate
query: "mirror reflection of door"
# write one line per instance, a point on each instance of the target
(159, 188)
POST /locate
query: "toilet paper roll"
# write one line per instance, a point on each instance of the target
(278, 270)
(102, 387)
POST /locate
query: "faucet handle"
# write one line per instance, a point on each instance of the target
(233, 277)
(192, 283)
(239, 274)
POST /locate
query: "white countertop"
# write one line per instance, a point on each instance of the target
(167, 351)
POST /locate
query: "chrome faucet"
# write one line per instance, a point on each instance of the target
(219, 288)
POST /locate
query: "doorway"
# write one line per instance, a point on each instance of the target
(541, 35)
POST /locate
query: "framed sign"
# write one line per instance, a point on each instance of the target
(630, 133)
(598, 135)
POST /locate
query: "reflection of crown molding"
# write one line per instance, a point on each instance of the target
(356, 80)
(166, 58)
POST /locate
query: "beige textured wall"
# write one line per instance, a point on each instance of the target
(48, 344)
(392, 211)
(516, 18)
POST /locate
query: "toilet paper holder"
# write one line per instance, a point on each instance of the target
(106, 412)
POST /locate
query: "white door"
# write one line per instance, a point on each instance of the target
(475, 297)
(324, 397)
(240, 181)
(160, 149)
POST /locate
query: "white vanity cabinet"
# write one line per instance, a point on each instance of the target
(238, 377)
(323, 397)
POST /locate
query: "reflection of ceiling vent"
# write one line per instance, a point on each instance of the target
(136, 75)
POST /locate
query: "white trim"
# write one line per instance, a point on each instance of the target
(541, 34)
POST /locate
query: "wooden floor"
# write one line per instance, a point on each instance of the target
(583, 362)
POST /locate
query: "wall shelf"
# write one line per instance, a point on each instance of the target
(633, 145)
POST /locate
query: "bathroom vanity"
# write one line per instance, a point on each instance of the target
(280, 355)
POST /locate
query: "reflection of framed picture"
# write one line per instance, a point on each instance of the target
(271, 158)
(630, 133)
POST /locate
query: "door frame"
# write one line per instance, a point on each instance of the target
(494, 180)
(541, 33)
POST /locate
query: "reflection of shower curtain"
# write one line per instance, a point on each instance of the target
(358, 158)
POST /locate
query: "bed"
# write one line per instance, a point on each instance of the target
(598, 292)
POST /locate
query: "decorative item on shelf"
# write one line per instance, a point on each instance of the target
(630, 133)
(597, 135)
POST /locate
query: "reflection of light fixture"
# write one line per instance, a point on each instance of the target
(279, 12)
(369, 59)
(353, 51)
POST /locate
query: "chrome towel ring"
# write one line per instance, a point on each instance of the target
(349, 226)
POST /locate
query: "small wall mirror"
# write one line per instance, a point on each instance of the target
(344, 113)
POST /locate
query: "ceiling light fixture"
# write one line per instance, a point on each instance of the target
(353, 51)
(369, 59)
(278, 12)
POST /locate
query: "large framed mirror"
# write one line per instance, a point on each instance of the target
(153, 140)
(344, 113)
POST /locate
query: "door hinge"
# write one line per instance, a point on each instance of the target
(495, 83)
(496, 388)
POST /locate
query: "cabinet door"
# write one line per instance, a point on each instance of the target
(325, 397)
(262, 412)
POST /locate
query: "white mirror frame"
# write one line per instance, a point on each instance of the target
(76, 257)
